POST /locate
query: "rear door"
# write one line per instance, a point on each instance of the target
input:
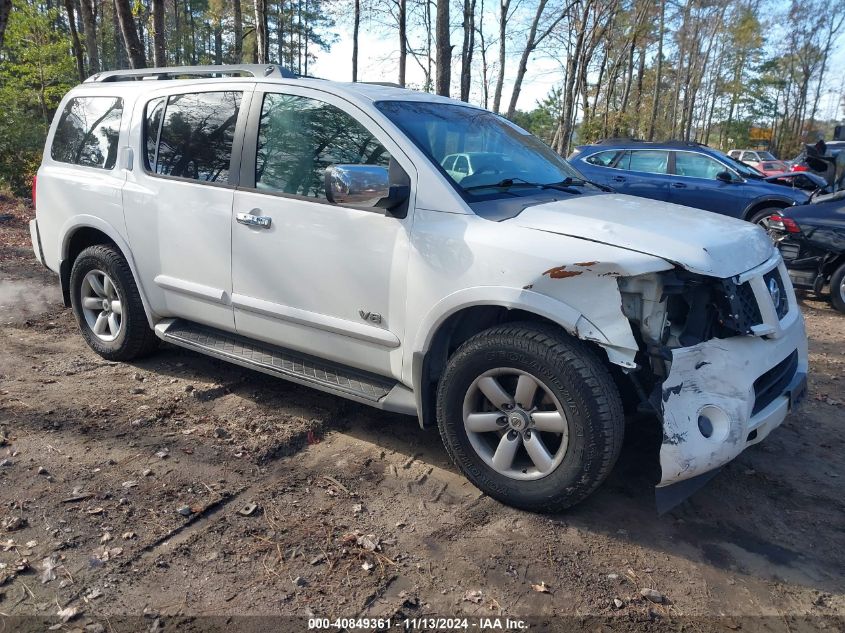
(642, 172)
(178, 198)
(694, 184)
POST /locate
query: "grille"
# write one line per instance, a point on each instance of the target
(782, 304)
(771, 384)
(742, 310)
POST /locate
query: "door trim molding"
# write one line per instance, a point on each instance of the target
(191, 288)
(344, 327)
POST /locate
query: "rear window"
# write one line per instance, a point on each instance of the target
(191, 135)
(88, 131)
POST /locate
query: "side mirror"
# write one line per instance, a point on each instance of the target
(363, 186)
(725, 176)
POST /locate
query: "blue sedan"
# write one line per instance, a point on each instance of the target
(685, 173)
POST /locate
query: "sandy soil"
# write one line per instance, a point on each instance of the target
(127, 493)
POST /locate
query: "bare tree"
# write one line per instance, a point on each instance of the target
(134, 48)
(260, 31)
(659, 71)
(504, 17)
(159, 56)
(467, 48)
(535, 37)
(74, 38)
(238, 51)
(356, 25)
(87, 10)
(443, 49)
(403, 40)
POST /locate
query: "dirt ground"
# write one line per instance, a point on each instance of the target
(127, 493)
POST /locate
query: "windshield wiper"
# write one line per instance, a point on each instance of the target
(506, 183)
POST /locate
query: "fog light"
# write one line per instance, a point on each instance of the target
(705, 425)
(713, 423)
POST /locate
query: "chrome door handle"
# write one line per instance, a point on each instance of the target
(261, 221)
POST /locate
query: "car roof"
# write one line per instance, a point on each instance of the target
(354, 91)
(625, 144)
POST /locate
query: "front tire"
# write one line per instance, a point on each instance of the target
(761, 217)
(108, 306)
(530, 416)
(837, 288)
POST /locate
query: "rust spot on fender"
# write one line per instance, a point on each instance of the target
(561, 273)
(585, 264)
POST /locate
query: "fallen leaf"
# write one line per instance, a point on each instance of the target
(541, 588)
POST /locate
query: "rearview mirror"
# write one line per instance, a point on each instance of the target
(363, 186)
(725, 176)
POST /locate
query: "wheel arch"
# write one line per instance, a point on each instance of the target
(767, 202)
(445, 328)
(82, 232)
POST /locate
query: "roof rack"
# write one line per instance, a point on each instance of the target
(193, 72)
(671, 142)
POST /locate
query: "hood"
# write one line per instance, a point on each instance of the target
(699, 241)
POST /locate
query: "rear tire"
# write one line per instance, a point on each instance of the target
(837, 288)
(558, 442)
(108, 306)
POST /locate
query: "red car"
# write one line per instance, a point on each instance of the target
(771, 167)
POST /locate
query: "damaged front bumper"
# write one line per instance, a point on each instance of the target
(725, 394)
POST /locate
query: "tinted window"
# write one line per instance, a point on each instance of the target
(88, 131)
(299, 137)
(697, 165)
(194, 137)
(461, 165)
(766, 156)
(645, 160)
(449, 162)
(602, 159)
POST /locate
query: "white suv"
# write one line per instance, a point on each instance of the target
(309, 230)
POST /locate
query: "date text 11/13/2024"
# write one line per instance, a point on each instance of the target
(411, 624)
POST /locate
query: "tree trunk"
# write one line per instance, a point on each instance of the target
(134, 49)
(356, 25)
(239, 31)
(443, 49)
(567, 111)
(159, 56)
(403, 40)
(74, 38)
(467, 48)
(655, 103)
(218, 42)
(533, 41)
(87, 12)
(504, 7)
(5, 9)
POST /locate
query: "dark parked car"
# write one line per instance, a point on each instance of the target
(685, 173)
(811, 238)
(800, 163)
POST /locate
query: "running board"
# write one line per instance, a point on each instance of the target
(365, 387)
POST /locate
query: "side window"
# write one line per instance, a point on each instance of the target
(749, 156)
(88, 131)
(449, 163)
(602, 159)
(191, 135)
(697, 165)
(461, 165)
(646, 160)
(299, 137)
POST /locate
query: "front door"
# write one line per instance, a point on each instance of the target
(695, 184)
(314, 276)
(178, 199)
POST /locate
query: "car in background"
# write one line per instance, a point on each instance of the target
(464, 164)
(771, 167)
(685, 173)
(799, 163)
(811, 239)
(751, 157)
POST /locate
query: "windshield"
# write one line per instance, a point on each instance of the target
(482, 153)
(766, 156)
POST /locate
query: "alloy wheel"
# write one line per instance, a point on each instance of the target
(515, 424)
(101, 305)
